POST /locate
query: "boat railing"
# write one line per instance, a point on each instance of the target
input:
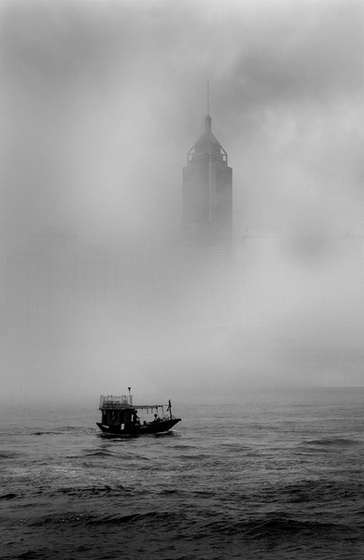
(111, 401)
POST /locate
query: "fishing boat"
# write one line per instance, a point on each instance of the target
(121, 417)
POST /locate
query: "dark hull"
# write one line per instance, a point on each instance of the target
(135, 430)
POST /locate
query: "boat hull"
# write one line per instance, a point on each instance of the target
(138, 430)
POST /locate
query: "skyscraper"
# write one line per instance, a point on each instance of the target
(207, 195)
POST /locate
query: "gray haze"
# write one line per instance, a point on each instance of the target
(100, 102)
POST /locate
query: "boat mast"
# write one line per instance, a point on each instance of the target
(170, 408)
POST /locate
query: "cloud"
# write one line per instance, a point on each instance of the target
(100, 103)
(314, 55)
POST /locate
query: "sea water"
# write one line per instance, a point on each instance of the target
(269, 475)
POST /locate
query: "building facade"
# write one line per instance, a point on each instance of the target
(207, 195)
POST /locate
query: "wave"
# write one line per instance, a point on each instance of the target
(284, 525)
(169, 491)
(98, 453)
(235, 447)
(103, 491)
(91, 490)
(9, 496)
(84, 518)
(44, 433)
(170, 433)
(321, 491)
(30, 555)
(10, 455)
(276, 526)
(193, 458)
(168, 518)
(65, 518)
(61, 431)
(333, 442)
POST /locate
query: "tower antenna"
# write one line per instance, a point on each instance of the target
(208, 118)
(208, 97)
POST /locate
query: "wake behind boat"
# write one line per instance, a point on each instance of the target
(121, 417)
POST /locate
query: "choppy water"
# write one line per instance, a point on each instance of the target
(275, 476)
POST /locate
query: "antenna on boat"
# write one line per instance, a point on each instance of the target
(130, 397)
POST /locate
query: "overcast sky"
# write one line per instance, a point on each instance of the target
(100, 102)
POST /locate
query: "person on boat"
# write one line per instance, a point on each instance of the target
(156, 418)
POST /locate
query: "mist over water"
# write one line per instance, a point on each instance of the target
(100, 103)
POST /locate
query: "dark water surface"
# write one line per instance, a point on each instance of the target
(275, 476)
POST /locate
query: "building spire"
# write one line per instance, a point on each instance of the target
(208, 118)
(208, 97)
